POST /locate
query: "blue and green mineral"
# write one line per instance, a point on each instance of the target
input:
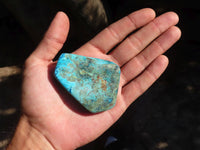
(91, 81)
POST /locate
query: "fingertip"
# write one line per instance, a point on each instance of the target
(173, 16)
(63, 15)
(142, 16)
(172, 35)
(147, 13)
(58, 29)
(177, 32)
(150, 12)
(163, 61)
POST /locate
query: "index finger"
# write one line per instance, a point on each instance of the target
(117, 31)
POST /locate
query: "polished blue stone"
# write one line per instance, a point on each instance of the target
(91, 81)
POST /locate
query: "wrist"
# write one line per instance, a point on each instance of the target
(27, 137)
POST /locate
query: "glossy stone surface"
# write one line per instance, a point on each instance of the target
(92, 82)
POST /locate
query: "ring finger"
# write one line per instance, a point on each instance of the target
(139, 63)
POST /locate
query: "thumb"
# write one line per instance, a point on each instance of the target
(54, 38)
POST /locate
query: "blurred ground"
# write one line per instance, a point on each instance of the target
(166, 117)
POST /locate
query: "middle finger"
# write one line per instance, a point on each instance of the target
(135, 43)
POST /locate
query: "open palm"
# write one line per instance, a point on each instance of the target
(55, 114)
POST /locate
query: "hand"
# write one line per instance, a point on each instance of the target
(50, 111)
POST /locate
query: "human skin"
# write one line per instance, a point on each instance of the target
(51, 119)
